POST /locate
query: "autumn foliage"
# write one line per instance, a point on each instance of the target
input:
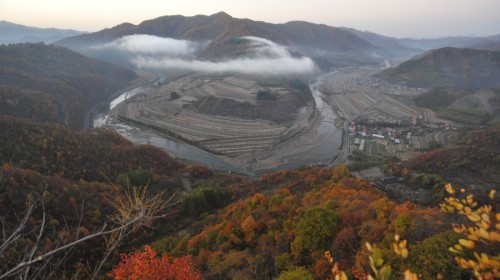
(234, 228)
(480, 236)
(146, 265)
(93, 155)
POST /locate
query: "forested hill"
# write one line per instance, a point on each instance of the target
(475, 161)
(54, 84)
(97, 154)
(448, 67)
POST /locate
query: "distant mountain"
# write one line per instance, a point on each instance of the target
(492, 43)
(12, 33)
(456, 42)
(329, 46)
(53, 84)
(448, 67)
(389, 45)
(400, 47)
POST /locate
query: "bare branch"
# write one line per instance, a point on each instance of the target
(134, 210)
(38, 239)
(16, 234)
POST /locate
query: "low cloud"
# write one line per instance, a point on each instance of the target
(156, 53)
(286, 65)
(142, 44)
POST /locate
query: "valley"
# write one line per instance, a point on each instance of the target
(286, 135)
(219, 120)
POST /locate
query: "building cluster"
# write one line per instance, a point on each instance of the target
(396, 131)
(375, 82)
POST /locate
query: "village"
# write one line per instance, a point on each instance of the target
(381, 117)
(397, 137)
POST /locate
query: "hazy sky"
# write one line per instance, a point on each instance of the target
(400, 18)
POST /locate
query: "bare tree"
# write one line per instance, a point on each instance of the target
(135, 209)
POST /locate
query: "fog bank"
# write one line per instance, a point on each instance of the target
(156, 53)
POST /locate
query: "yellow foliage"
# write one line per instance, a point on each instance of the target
(466, 243)
(339, 274)
(485, 230)
(381, 271)
(410, 275)
(400, 247)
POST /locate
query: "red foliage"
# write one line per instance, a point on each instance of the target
(359, 274)
(322, 269)
(145, 265)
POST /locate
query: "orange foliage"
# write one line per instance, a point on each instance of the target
(146, 266)
(277, 177)
(198, 241)
(249, 224)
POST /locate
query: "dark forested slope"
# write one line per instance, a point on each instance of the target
(54, 84)
(97, 154)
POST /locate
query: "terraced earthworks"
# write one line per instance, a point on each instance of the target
(223, 114)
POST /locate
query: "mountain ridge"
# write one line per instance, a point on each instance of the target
(391, 45)
(450, 41)
(13, 33)
(336, 47)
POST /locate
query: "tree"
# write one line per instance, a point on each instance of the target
(296, 273)
(315, 231)
(431, 257)
(146, 265)
(139, 177)
(340, 172)
(36, 256)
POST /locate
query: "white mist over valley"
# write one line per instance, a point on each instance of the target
(157, 53)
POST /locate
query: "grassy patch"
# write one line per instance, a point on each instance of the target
(464, 116)
(360, 161)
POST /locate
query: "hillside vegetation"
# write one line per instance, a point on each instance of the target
(475, 163)
(53, 84)
(93, 155)
(474, 107)
(448, 67)
(232, 227)
(258, 237)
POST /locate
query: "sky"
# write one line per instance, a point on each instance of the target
(397, 18)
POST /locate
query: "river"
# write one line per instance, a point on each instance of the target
(319, 145)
